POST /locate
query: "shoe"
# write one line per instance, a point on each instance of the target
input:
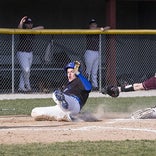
(104, 90)
(29, 91)
(143, 114)
(46, 90)
(66, 117)
(60, 97)
(27, 87)
(24, 91)
(95, 89)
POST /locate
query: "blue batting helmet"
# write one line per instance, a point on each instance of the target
(71, 65)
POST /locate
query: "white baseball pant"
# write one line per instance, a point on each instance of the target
(92, 64)
(57, 112)
(25, 61)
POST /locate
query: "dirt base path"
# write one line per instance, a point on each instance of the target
(23, 129)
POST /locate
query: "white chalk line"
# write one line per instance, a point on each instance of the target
(84, 128)
(120, 120)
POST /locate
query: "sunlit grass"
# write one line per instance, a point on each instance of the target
(24, 106)
(86, 148)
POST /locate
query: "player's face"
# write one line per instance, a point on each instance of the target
(71, 75)
(93, 26)
(28, 25)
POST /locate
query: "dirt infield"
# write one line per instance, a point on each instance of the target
(23, 129)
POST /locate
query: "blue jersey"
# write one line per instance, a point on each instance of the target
(79, 88)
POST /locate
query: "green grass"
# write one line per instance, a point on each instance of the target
(24, 106)
(98, 148)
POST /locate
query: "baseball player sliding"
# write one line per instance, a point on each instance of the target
(70, 101)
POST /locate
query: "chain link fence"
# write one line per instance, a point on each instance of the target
(123, 58)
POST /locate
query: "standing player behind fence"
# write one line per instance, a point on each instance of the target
(25, 53)
(92, 54)
(70, 101)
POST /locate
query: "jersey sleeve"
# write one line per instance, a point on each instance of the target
(87, 85)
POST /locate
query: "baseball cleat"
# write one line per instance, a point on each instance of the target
(104, 90)
(143, 114)
(66, 117)
(60, 97)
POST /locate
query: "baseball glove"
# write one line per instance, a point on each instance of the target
(112, 91)
(76, 67)
(143, 114)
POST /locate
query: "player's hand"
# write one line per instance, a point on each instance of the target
(111, 90)
(23, 19)
(76, 67)
(105, 28)
(21, 22)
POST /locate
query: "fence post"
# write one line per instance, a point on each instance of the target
(13, 63)
(100, 79)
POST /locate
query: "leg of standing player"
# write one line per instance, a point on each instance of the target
(89, 63)
(25, 60)
(95, 69)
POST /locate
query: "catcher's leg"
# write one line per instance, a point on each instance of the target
(146, 113)
(52, 113)
(154, 112)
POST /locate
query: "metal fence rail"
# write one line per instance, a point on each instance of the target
(125, 56)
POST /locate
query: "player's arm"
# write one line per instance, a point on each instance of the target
(105, 28)
(38, 27)
(20, 26)
(87, 85)
(85, 82)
